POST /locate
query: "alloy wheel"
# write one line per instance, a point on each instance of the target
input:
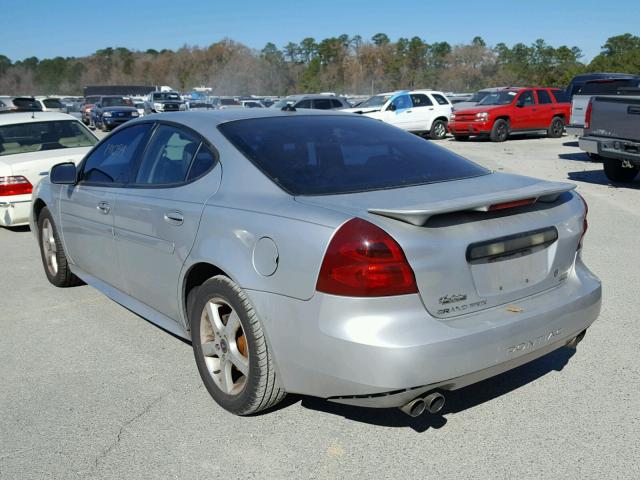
(49, 247)
(224, 346)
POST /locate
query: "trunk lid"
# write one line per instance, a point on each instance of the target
(616, 117)
(465, 257)
(34, 166)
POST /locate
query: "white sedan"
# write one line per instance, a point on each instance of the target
(30, 144)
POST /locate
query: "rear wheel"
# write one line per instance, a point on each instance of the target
(500, 131)
(615, 172)
(438, 130)
(230, 349)
(54, 260)
(556, 128)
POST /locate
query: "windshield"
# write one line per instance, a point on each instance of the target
(498, 98)
(116, 102)
(331, 154)
(40, 136)
(375, 101)
(282, 102)
(166, 96)
(478, 96)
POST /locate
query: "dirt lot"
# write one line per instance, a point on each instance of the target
(90, 390)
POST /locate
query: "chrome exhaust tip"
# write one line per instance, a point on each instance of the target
(434, 402)
(414, 408)
(573, 343)
(431, 403)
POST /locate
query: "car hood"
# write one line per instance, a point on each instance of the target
(463, 105)
(119, 109)
(480, 108)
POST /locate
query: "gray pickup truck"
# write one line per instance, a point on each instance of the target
(592, 88)
(612, 133)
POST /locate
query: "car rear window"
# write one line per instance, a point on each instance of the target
(332, 154)
(52, 103)
(606, 87)
(40, 136)
(560, 96)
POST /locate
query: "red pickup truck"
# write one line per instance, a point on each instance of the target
(513, 110)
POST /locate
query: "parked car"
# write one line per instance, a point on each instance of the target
(85, 109)
(475, 98)
(50, 104)
(513, 111)
(164, 102)
(112, 111)
(337, 256)
(313, 101)
(591, 88)
(579, 80)
(30, 144)
(251, 104)
(228, 102)
(612, 134)
(71, 104)
(419, 111)
(19, 104)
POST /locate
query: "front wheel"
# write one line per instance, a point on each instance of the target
(556, 128)
(438, 130)
(54, 260)
(500, 131)
(230, 349)
(615, 172)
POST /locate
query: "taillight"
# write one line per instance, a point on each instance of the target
(362, 260)
(17, 185)
(512, 204)
(587, 115)
(585, 223)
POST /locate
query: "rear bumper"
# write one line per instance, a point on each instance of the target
(469, 128)
(14, 211)
(575, 130)
(611, 148)
(383, 352)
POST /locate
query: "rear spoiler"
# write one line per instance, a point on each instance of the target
(546, 192)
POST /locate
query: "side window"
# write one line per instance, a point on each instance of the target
(322, 104)
(168, 157)
(526, 99)
(440, 99)
(543, 97)
(303, 104)
(202, 162)
(421, 100)
(111, 161)
(560, 96)
(336, 103)
(402, 102)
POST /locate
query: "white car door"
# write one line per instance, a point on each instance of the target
(399, 112)
(422, 113)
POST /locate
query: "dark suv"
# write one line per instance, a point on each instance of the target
(111, 111)
(19, 104)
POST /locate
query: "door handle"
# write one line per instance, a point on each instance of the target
(174, 217)
(104, 207)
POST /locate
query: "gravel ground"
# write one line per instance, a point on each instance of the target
(89, 390)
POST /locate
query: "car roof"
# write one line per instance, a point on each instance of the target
(310, 96)
(30, 117)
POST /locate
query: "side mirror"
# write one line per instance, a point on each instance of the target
(392, 107)
(63, 173)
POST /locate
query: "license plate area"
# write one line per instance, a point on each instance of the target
(517, 262)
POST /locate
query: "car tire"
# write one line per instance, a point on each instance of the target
(54, 260)
(615, 172)
(438, 130)
(499, 131)
(461, 138)
(233, 359)
(556, 129)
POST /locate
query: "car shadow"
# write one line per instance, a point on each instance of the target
(456, 401)
(597, 177)
(576, 157)
(570, 144)
(20, 229)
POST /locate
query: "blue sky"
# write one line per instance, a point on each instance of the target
(48, 28)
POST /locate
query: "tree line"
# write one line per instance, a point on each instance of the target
(341, 64)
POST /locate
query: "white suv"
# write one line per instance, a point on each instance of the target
(421, 111)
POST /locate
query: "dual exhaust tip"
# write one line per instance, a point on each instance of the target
(431, 403)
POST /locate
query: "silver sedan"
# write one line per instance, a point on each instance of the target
(321, 253)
